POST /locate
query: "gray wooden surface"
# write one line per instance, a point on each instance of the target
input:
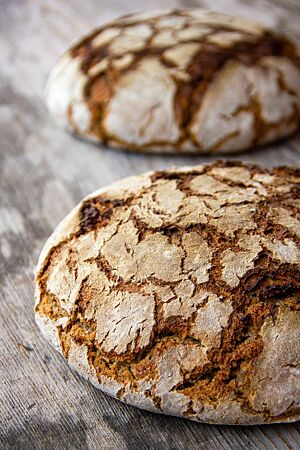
(44, 172)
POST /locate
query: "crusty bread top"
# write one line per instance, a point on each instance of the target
(178, 291)
(185, 80)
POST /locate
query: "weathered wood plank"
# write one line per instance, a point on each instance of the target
(43, 173)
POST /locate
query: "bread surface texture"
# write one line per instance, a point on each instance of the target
(189, 80)
(178, 292)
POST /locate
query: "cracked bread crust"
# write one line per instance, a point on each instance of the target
(178, 292)
(164, 83)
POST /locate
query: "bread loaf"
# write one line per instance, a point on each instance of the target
(178, 292)
(180, 81)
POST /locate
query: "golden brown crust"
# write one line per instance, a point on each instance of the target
(159, 83)
(178, 291)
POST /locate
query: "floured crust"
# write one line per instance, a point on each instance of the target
(178, 292)
(179, 81)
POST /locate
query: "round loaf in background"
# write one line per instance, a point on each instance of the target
(179, 81)
(178, 292)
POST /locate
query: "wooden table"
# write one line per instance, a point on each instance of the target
(44, 172)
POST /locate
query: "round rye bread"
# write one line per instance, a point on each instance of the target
(179, 292)
(179, 81)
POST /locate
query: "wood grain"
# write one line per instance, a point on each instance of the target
(44, 172)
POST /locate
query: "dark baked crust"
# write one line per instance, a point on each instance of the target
(204, 65)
